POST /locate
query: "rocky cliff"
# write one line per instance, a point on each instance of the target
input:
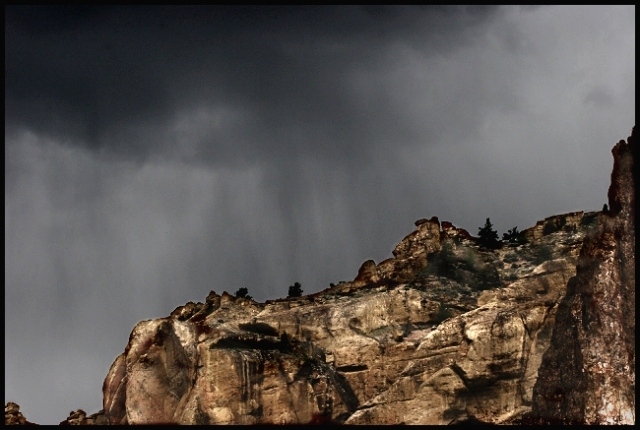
(588, 372)
(442, 332)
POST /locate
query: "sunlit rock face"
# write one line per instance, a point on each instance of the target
(588, 373)
(434, 343)
(80, 417)
(13, 416)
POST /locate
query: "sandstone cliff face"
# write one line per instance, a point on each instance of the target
(406, 341)
(13, 416)
(588, 373)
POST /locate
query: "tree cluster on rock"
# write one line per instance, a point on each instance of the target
(243, 293)
(488, 237)
(295, 290)
(514, 237)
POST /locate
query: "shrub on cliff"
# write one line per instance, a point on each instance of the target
(488, 237)
(443, 312)
(589, 220)
(442, 263)
(542, 253)
(243, 293)
(514, 237)
(553, 226)
(295, 290)
(485, 278)
(511, 257)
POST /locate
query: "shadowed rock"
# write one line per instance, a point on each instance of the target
(588, 373)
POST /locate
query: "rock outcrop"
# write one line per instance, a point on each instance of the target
(13, 416)
(418, 343)
(80, 417)
(588, 373)
(443, 332)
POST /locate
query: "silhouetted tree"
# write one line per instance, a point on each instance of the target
(514, 237)
(488, 237)
(295, 290)
(243, 293)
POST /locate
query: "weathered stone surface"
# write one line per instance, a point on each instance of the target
(218, 373)
(479, 365)
(80, 417)
(13, 416)
(367, 274)
(431, 349)
(568, 220)
(454, 232)
(588, 373)
(410, 255)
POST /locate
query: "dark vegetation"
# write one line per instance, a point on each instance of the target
(540, 254)
(514, 237)
(485, 278)
(470, 272)
(553, 226)
(466, 271)
(243, 293)
(295, 290)
(443, 312)
(561, 224)
(443, 263)
(589, 220)
(488, 237)
(512, 277)
(511, 257)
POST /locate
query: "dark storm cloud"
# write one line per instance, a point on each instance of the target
(263, 80)
(153, 154)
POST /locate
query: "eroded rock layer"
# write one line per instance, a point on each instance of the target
(442, 332)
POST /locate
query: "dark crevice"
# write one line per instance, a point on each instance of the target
(346, 393)
(259, 328)
(352, 368)
(463, 377)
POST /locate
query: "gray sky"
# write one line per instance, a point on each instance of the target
(155, 154)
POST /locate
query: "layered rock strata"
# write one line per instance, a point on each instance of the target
(407, 344)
